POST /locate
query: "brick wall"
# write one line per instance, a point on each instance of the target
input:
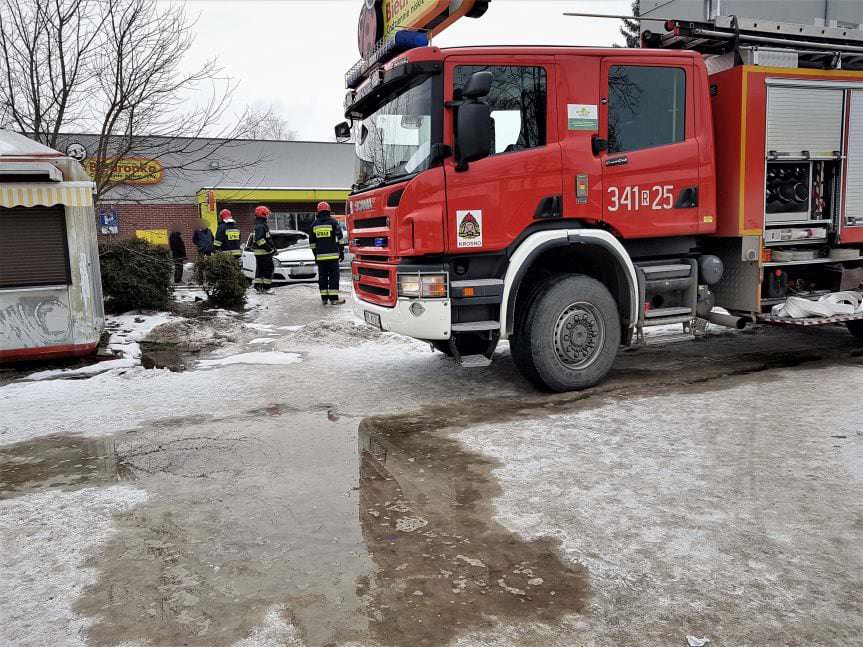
(184, 218)
(173, 217)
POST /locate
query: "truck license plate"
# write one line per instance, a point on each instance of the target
(373, 319)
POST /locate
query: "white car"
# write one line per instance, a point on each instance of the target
(294, 260)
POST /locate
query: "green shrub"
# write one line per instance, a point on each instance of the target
(222, 279)
(136, 275)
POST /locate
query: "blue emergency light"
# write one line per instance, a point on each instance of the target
(406, 39)
(386, 50)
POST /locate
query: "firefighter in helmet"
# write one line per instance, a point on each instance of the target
(328, 244)
(263, 249)
(227, 235)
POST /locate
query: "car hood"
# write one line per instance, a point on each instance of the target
(294, 255)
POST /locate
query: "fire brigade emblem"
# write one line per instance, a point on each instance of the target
(469, 228)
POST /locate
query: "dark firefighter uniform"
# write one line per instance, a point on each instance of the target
(228, 238)
(328, 245)
(263, 249)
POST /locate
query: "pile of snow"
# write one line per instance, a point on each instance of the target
(338, 333)
(189, 295)
(272, 358)
(129, 329)
(193, 335)
(84, 371)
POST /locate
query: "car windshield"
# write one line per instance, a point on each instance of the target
(395, 140)
(291, 239)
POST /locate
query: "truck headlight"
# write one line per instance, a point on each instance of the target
(431, 286)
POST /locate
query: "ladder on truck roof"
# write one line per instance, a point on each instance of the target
(763, 42)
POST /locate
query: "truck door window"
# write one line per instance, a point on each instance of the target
(518, 105)
(646, 107)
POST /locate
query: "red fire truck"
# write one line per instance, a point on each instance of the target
(566, 198)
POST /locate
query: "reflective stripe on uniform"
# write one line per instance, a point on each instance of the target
(261, 241)
(328, 257)
(217, 243)
(262, 252)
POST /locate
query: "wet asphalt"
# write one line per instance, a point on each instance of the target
(359, 516)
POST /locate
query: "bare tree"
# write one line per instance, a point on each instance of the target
(270, 126)
(46, 56)
(115, 66)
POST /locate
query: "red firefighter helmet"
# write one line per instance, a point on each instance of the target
(261, 212)
(225, 214)
(323, 206)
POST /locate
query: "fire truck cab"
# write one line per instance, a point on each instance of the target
(566, 198)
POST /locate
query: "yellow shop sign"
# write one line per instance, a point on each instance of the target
(410, 13)
(129, 170)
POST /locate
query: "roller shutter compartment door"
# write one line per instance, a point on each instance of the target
(854, 177)
(804, 119)
(33, 247)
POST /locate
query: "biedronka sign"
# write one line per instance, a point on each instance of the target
(129, 170)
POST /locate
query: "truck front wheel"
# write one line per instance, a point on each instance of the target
(856, 328)
(568, 338)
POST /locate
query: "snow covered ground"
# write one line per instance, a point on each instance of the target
(722, 507)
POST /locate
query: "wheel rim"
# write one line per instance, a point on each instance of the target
(579, 335)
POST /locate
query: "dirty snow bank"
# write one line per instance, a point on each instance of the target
(44, 541)
(129, 329)
(126, 333)
(83, 371)
(272, 358)
(194, 335)
(343, 333)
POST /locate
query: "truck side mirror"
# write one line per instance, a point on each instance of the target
(478, 85)
(473, 132)
(343, 132)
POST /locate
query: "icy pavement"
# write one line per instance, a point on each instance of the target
(349, 487)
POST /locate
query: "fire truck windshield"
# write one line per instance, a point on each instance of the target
(394, 141)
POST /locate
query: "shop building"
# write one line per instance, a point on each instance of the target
(158, 192)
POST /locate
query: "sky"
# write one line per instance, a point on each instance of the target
(292, 55)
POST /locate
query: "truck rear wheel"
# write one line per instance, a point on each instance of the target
(856, 328)
(569, 336)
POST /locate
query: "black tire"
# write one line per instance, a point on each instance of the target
(855, 328)
(519, 342)
(569, 337)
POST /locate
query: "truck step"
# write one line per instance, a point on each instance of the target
(475, 326)
(475, 361)
(658, 313)
(669, 271)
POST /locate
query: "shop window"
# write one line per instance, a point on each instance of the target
(33, 247)
(646, 107)
(518, 104)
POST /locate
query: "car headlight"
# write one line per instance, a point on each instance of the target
(432, 286)
(276, 262)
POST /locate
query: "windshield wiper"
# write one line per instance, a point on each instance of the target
(381, 180)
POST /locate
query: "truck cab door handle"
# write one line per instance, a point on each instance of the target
(688, 198)
(617, 161)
